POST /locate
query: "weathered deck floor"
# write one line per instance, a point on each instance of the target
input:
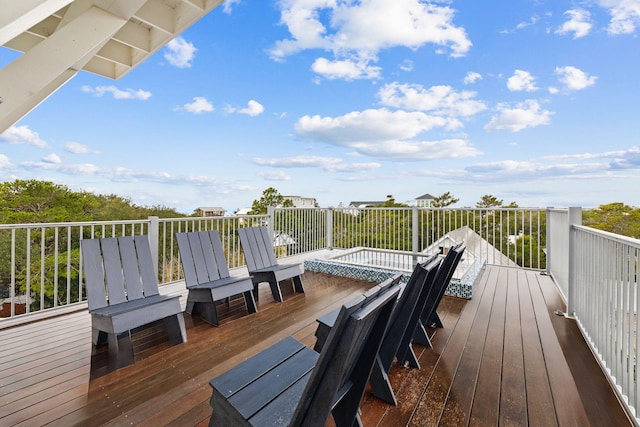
(500, 360)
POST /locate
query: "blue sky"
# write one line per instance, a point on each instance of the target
(530, 101)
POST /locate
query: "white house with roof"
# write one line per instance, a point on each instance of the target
(424, 201)
(302, 202)
(210, 211)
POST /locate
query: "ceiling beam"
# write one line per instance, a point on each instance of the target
(31, 78)
(19, 15)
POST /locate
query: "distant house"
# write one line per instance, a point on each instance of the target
(210, 211)
(302, 202)
(362, 205)
(424, 201)
(355, 206)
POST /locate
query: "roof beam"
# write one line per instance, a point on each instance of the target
(26, 82)
(19, 15)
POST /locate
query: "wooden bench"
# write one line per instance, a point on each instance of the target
(207, 275)
(397, 340)
(289, 384)
(262, 265)
(122, 294)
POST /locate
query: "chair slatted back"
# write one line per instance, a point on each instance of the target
(117, 270)
(445, 273)
(404, 316)
(202, 257)
(345, 363)
(257, 248)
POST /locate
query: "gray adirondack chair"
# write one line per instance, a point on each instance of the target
(122, 294)
(289, 384)
(397, 340)
(429, 316)
(207, 275)
(262, 264)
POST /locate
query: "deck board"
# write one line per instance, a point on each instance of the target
(502, 357)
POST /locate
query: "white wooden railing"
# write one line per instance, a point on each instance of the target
(42, 268)
(596, 272)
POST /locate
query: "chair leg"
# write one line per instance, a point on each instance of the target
(420, 335)
(380, 384)
(275, 290)
(408, 356)
(175, 328)
(207, 311)
(435, 321)
(98, 337)
(120, 349)
(250, 302)
(297, 284)
(190, 306)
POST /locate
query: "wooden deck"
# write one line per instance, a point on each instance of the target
(503, 358)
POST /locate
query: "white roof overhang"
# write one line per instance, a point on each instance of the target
(58, 38)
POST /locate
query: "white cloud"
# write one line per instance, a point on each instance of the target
(574, 78)
(180, 52)
(275, 176)
(521, 81)
(579, 23)
(227, 5)
(77, 148)
(524, 115)
(52, 158)
(344, 28)
(5, 162)
(384, 134)
(345, 69)
(118, 93)
(625, 15)
(441, 100)
(198, 106)
(406, 65)
(254, 108)
(70, 169)
(472, 77)
(521, 25)
(367, 125)
(580, 166)
(330, 164)
(22, 135)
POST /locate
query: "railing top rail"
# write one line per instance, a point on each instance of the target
(611, 236)
(440, 209)
(71, 224)
(210, 218)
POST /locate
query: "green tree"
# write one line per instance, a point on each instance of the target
(488, 201)
(614, 217)
(391, 203)
(29, 201)
(444, 200)
(270, 197)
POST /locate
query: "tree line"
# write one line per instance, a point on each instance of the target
(35, 201)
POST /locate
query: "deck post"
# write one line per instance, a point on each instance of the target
(271, 214)
(415, 228)
(575, 218)
(329, 227)
(154, 239)
(548, 234)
